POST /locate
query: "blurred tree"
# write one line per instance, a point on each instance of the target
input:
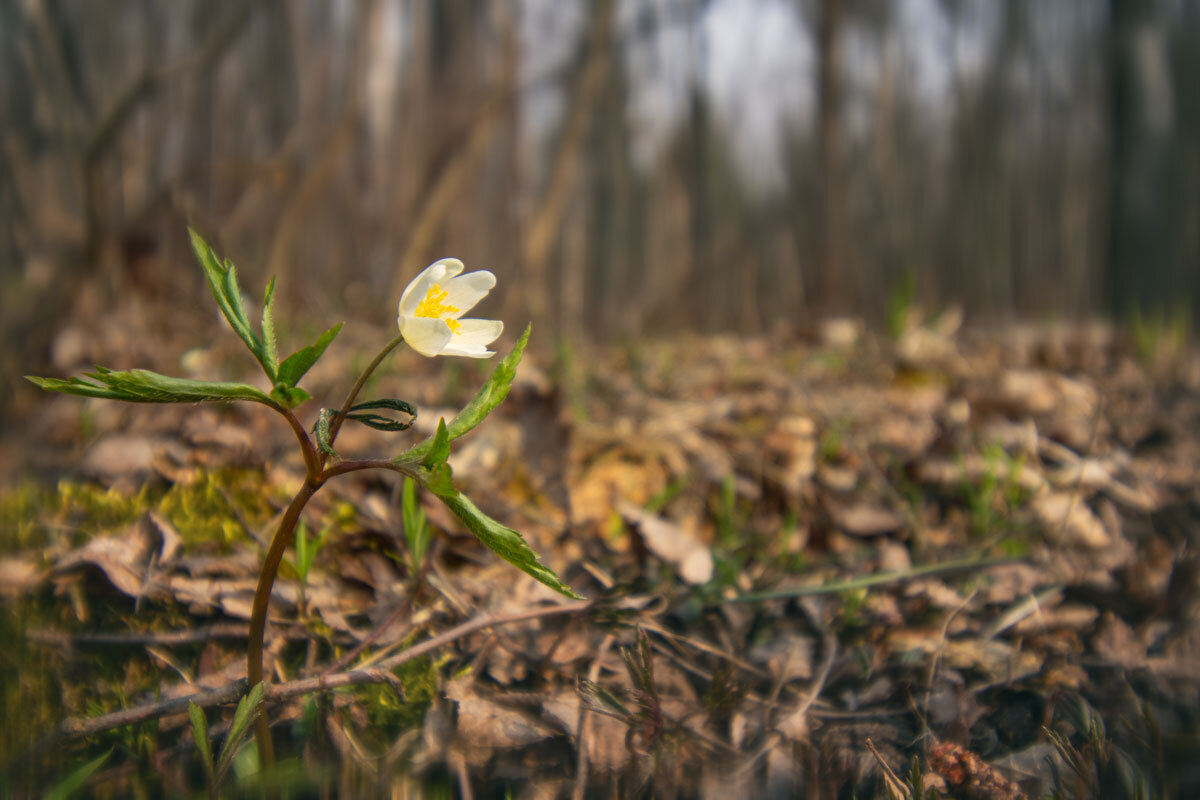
(1142, 232)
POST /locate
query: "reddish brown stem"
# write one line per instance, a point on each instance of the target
(262, 598)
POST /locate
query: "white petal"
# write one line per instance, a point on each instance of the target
(426, 335)
(465, 291)
(477, 331)
(468, 350)
(437, 272)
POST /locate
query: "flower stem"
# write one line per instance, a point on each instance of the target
(311, 464)
(314, 479)
(336, 423)
(262, 597)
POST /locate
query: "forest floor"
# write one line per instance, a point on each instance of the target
(944, 564)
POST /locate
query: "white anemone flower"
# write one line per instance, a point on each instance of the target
(431, 307)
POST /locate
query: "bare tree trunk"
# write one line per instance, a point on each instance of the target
(832, 279)
(542, 229)
(1140, 121)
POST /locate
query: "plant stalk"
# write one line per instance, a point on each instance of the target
(314, 479)
(262, 598)
(336, 423)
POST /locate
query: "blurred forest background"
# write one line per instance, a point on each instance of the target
(626, 167)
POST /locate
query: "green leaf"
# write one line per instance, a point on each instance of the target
(490, 395)
(200, 736)
(439, 447)
(270, 348)
(76, 780)
(144, 386)
(248, 710)
(294, 366)
(223, 283)
(322, 430)
(504, 541)
(219, 283)
(289, 396)
(381, 423)
(438, 479)
(416, 528)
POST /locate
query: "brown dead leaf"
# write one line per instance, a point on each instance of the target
(121, 455)
(18, 576)
(1068, 520)
(122, 559)
(483, 724)
(787, 656)
(679, 547)
(613, 476)
(865, 520)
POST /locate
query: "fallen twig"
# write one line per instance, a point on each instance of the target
(207, 633)
(75, 728)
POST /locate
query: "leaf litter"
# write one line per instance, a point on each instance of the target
(811, 562)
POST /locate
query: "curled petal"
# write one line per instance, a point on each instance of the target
(467, 350)
(438, 272)
(477, 331)
(427, 335)
(465, 291)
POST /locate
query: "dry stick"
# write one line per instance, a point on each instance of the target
(829, 644)
(381, 673)
(61, 639)
(584, 726)
(891, 780)
(354, 652)
(937, 653)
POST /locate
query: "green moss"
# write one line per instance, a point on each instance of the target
(212, 507)
(389, 714)
(20, 509)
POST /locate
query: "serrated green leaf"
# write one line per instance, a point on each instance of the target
(269, 345)
(248, 710)
(439, 448)
(200, 736)
(233, 294)
(144, 386)
(230, 303)
(490, 395)
(223, 283)
(289, 396)
(504, 541)
(77, 779)
(294, 366)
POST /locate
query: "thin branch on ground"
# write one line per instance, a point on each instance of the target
(76, 728)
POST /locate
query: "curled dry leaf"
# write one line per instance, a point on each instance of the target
(17, 576)
(865, 520)
(483, 724)
(1068, 520)
(676, 545)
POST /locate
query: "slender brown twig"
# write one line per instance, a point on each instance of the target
(75, 728)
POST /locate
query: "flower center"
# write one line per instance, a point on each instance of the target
(434, 306)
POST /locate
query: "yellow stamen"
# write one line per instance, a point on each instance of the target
(434, 307)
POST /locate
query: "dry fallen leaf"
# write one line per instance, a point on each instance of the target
(680, 548)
